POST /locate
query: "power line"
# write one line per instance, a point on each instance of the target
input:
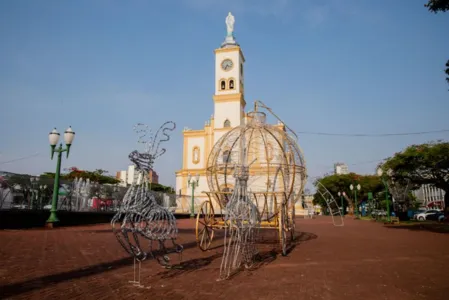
(367, 162)
(18, 159)
(374, 135)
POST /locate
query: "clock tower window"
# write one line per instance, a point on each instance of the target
(231, 84)
(223, 84)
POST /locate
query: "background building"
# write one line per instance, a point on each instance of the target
(341, 169)
(430, 196)
(129, 176)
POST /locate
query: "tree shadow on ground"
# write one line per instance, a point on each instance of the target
(18, 288)
(437, 227)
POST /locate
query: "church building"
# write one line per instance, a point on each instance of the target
(229, 112)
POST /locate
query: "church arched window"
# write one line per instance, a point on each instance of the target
(227, 123)
(223, 84)
(196, 155)
(231, 84)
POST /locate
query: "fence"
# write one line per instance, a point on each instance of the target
(25, 192)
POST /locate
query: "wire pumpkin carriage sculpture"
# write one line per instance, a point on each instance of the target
(276, 177)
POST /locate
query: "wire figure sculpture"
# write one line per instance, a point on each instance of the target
(140, 216)
(399, 188)
(332, 205)
(6, 194)
(243, 219)
(81, 193)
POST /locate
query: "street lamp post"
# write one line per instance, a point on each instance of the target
(356, 205)
(380, 173)
(53, 137)
(340, 194)
(193, 183)
(42, 190)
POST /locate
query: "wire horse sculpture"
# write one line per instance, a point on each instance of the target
(243, 220)
(140, 215)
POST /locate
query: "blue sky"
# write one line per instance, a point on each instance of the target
(340, 66)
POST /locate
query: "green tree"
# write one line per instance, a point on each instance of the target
(340, 183)
(162, 188)
(95, 176)
(436, 6)
(423, 164)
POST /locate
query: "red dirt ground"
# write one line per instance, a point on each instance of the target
(362, 260)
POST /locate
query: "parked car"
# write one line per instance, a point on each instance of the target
(439, 216)
(427, 215)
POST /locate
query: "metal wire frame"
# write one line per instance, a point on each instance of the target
(283, 170)
(265, 199)
(242, 219)
(140, 215)
(332, 205)
(399, 189)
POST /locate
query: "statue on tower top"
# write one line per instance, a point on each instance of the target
(229, 40)
(230, 24)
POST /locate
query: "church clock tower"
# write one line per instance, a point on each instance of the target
(229, 112)
(229, 100)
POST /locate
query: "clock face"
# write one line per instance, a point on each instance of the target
(227, 64)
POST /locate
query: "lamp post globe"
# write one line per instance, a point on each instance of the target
(69, 135)
(351, 187)
(358, 187)
(339, 194)
(53, 137)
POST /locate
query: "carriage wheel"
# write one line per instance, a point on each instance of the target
(283, 219)
(204, 221)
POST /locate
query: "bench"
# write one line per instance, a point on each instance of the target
(394, 220)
